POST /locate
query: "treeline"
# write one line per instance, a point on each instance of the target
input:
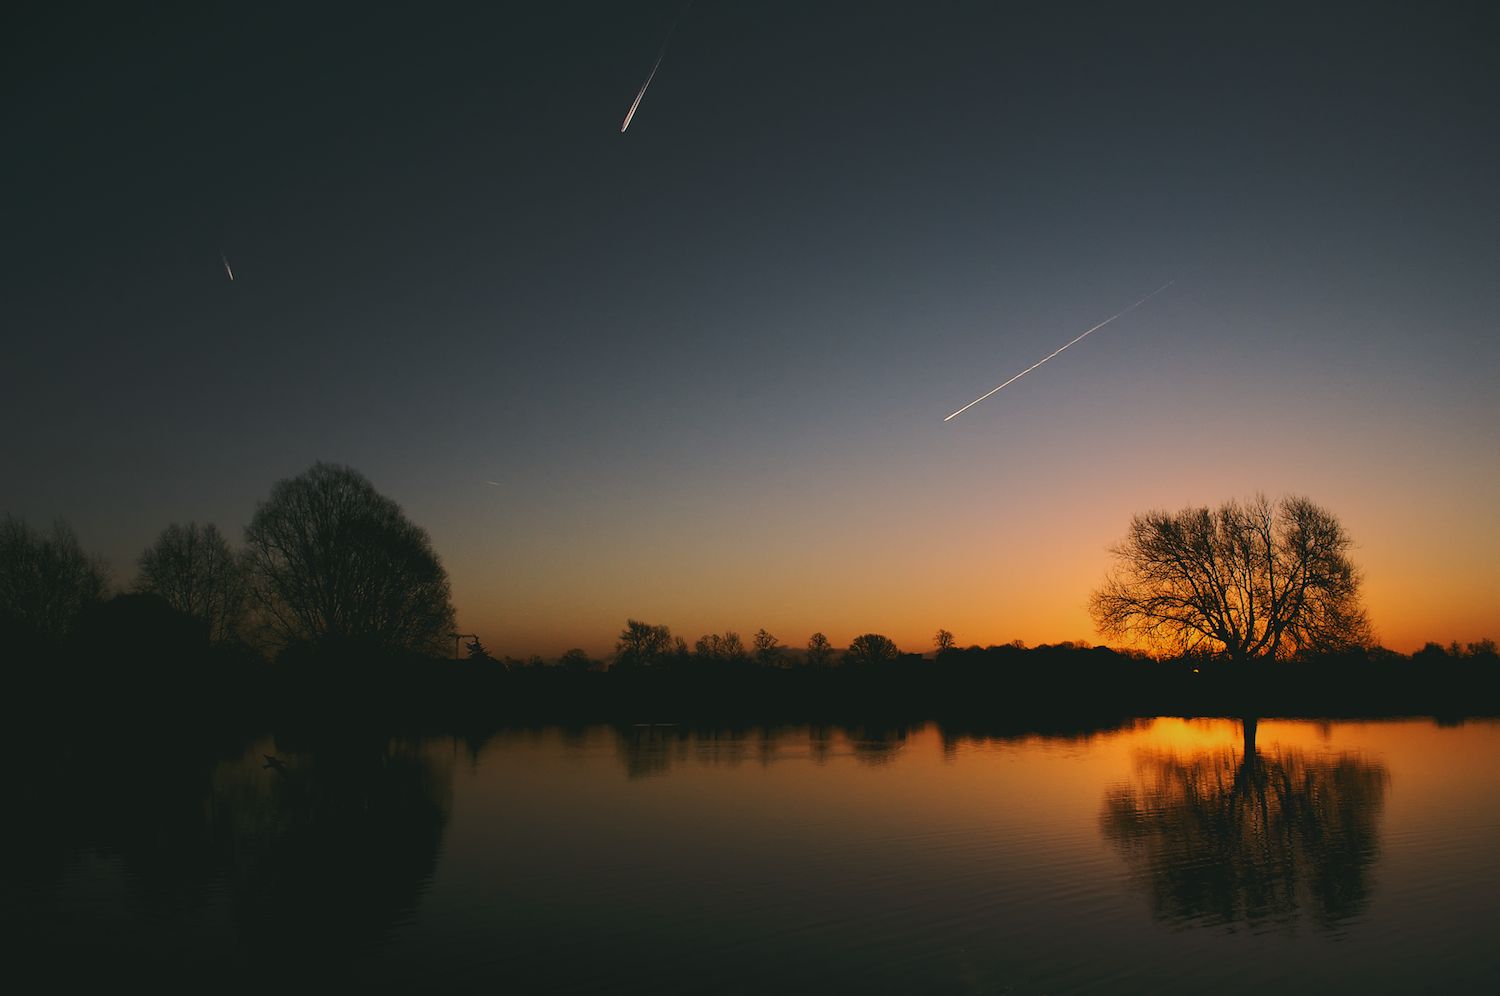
(336, 605)
(643, 646)
(1058, 684)
(328, 566)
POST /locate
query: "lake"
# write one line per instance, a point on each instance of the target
(1339, 856)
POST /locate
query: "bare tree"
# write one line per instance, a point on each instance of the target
(767, 649)
(46, 580)
(334, 562)
(819, 651)
(942, 640)
(1248, 581)
(642, 645)
(715, 649)
(192, 568)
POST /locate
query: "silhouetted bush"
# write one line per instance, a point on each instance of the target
(870, 651)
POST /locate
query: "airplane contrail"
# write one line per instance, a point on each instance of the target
(637, 102)
(1059, 349)
(651, 75)
(226, 267)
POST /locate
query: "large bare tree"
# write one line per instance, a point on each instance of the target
(1253, 580)
(193, 568)
(335, 563)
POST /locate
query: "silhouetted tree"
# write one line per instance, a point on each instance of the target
(767, 649)
(46, 581)
(334, 563)
(1251, 581)
(1431, 653)
(576, 660)
(819, 651)
(871, 650)
(193, 570)
(642, 645)
(477, 651)
(728, 649)
(943, 640)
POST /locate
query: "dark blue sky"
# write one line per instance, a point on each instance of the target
(707, 360)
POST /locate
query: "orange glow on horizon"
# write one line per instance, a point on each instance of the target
(1009, 557)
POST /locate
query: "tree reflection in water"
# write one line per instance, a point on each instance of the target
(1248, 838)
(648, 749)
(314, 859)
(332, 852)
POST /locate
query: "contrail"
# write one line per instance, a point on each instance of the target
(1059, 349)
(652, 75)
(637, 102)
(226, 267)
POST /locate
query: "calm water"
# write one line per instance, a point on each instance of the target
(1341, 856)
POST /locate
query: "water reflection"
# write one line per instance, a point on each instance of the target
(649, 749)
(877, 745)
(1250, 838)
(975, 857)
(330, 847)
(314, 855)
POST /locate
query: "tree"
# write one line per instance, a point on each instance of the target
(943, 641)
(193, 570)
(729, 649)
(767, 649)
(819, 651)
(575, 660)
(46, 581)
(336, 564)
(870, 650)
(642, 645)
(1247, 581)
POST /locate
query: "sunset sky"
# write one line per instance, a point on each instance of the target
(707, 361)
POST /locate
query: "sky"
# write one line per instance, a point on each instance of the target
(706, 362)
